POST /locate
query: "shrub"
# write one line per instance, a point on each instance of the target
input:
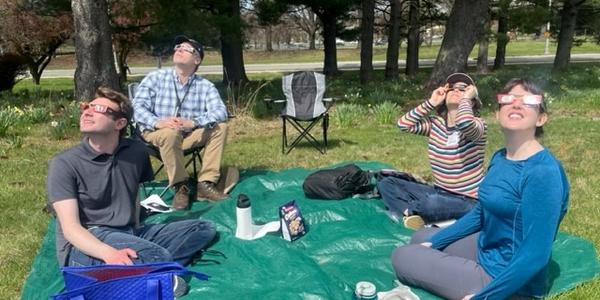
(36, 115)
(11, 67)
(67, 123)
(8, 119)
(349, 114)
(59, 130)
(242, 99)
(353, 94)
(385, 113)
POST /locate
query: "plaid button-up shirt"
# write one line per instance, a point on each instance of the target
(156, 98)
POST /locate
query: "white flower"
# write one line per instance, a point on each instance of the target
(54, 124)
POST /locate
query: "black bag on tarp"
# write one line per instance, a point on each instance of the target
(338, 183)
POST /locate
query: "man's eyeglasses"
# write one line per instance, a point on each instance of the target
(458, 86)
(184, 48)
(99, 108)
(531, 100)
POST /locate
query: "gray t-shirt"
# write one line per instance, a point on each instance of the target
(105, 185)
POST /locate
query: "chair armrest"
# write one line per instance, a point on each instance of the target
(270, 102)
(274, 101)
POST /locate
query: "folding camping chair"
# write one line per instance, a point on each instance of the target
(152, 150)
(304, 108)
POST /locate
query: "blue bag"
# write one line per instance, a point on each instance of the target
(144, 281)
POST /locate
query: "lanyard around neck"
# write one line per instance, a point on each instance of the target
(180, 100)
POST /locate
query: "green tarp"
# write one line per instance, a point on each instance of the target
(347, 241)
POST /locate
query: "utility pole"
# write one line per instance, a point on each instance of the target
(547, 33)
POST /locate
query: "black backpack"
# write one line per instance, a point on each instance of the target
(338, 183)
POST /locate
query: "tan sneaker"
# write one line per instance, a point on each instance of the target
(414, 222)
(181, 200)
(208, 191)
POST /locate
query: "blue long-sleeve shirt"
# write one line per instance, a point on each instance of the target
(521, 204)
(158, 95)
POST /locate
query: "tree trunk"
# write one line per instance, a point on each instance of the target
(233, 61)
(462, 31)
(313, 30)
(37, 67)
(311, 40)
(366, 41)
(391, 60)
(412, 48)
(430, 37)
(329, 48)
(122, 64)
(232, 49)
(482, 53)
(33, 71)
(93, 45)
(269, 38)
(568, 18)
(502, 37)
(33, 67)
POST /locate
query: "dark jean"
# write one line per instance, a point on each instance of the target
(433, 204)
(177, 241)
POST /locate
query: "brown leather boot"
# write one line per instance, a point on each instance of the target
(208, 191)
(181, 200)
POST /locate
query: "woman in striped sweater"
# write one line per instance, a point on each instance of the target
(501, 249)
(457, 138)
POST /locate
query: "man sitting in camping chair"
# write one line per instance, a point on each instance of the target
(304, 108)
(177, 110)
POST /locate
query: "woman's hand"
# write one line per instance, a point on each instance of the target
(467, 297)
(438, 95)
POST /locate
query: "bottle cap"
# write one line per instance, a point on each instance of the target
(365, 290)
(243, 201)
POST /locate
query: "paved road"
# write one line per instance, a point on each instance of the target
(346, 65)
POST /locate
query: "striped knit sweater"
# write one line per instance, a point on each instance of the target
(456, 166)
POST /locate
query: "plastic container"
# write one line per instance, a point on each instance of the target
(243, 218)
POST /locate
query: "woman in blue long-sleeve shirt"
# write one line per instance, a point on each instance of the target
(500, 249)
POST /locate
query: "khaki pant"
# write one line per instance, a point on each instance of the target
(171, 144)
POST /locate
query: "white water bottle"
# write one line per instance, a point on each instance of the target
(244, 218)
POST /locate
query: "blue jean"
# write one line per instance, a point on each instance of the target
(431, 203)
(177, 241)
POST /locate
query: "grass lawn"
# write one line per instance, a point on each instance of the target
(212, 57)
(573, 135)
